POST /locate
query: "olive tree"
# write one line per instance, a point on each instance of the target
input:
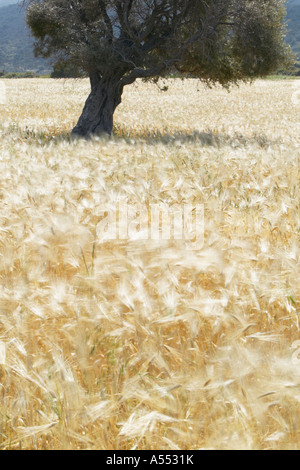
(115, 42)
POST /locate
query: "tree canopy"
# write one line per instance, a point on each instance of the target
(117, 41)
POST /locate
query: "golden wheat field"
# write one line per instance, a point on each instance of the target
(130, 344)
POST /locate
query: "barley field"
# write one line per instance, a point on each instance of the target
(131, 344)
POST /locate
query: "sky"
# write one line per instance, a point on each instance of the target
(3, 3)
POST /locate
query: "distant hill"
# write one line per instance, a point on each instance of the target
(293, 14)
(16, 44)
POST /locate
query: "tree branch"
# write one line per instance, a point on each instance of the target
(147, 73)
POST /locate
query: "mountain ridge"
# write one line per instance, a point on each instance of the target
(16, 43)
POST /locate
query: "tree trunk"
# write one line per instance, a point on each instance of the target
(97, 114)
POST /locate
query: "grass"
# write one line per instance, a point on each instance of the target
(133, 345)
(283, 77)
